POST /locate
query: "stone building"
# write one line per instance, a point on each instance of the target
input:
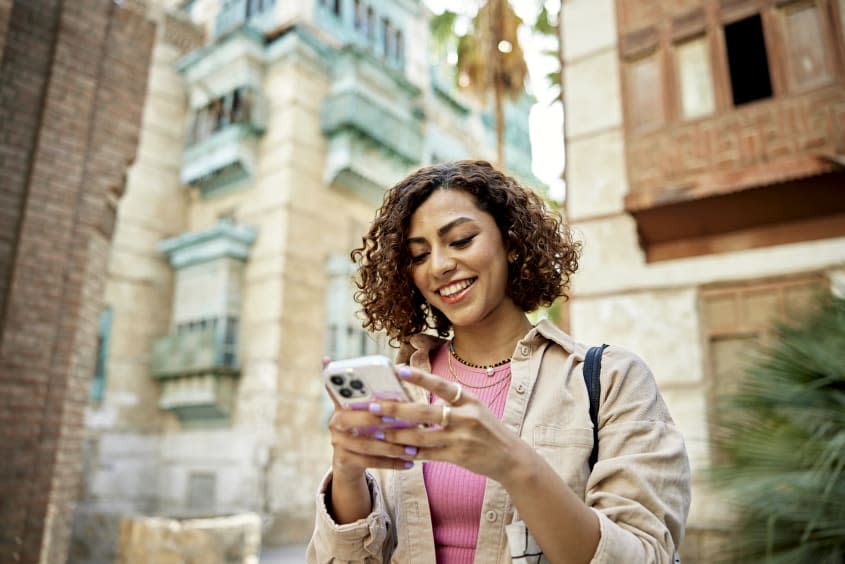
(270, 132)
(705, 172)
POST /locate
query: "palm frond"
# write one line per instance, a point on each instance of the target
(783, 436)
(543, 24)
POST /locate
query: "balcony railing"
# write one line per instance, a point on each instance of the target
(237, 13)
(360, 112)
(198, 368)
(221, 145)
(207, 346)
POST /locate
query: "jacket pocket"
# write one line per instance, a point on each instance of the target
(567, 451)
(523, 548)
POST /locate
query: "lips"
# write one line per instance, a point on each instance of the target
(454, 289)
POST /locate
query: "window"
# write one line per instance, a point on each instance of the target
(399, 48)
(360, 17)
(386, 37)
(736, 320)
(747, 60)
(98, 383)
(807, 59)
(695, 78)
(371, 24)
(201, 494)
(345, 337)
(645, 85)
(336, 7)
(233, 107)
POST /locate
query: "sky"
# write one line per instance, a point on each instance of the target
(546, 119)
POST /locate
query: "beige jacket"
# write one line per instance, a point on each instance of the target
(639, 488)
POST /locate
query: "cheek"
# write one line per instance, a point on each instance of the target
(417, 279)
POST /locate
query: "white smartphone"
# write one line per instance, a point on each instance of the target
(363, 379)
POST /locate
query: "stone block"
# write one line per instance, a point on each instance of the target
(662, 327)
(597, 177)
(588, 26)
(260, 340)
(593, 88)
(214, 540)
(611, 259)
(212, 446)
(688, 407)
(262, 300)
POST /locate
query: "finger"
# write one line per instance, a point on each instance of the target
(381, 462)
(442, 388)
(326, 360)
(419, 413)
(344, 420)
(419, 438)
(374, 447)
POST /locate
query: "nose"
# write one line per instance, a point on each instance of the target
(442, 262)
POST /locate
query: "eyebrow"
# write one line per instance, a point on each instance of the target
(443, 230)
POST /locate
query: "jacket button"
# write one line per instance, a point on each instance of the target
(520, 388)
(491, 516)
(523, 350)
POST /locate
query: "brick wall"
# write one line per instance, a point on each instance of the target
(73, 78)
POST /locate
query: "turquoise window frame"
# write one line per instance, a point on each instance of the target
(98, 383)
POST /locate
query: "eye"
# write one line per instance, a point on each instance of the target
(461, 243)
(417, 259)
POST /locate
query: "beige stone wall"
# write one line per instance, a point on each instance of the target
(618, 298)
(139, 289)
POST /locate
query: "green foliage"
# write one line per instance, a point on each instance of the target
(544, 24)
(783, 435)
(442, 28)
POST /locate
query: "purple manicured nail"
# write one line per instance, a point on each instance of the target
(378, 435)
(409, 464)
(404, 372)
(375, 408)
(388, 419)
(411, 450)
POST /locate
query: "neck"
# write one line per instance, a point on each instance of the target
(490, 343)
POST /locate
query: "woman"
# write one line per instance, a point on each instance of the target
(456, 256)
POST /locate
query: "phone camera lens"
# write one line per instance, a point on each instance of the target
(356, 384)
(346, 392)
(336, 380)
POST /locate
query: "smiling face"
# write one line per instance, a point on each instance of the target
(459, 260)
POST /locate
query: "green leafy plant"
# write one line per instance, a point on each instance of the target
(782, 435)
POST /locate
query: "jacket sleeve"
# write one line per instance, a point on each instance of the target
(640, 486)
(366, 541)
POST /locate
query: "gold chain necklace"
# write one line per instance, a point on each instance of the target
(461, 382)
(489, 368)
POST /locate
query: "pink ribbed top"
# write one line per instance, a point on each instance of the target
(455, 495)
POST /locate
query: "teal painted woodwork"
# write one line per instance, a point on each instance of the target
(98, 382)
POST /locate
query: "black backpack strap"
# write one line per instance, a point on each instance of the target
(592, 373)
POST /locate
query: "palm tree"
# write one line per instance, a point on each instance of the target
(783, 437)
(490, 59)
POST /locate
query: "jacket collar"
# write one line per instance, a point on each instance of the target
(417, 349)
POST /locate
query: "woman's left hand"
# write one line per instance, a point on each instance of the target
(462, 430)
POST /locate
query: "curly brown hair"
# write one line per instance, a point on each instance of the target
(546, 253)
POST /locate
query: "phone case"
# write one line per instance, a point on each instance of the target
(363, 379)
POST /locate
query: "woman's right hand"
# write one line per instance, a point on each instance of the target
(357, 446)
(358, 442)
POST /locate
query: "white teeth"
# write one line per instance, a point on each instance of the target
(455, 288)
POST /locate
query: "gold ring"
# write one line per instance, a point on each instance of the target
(458, 394)
(444, 415)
